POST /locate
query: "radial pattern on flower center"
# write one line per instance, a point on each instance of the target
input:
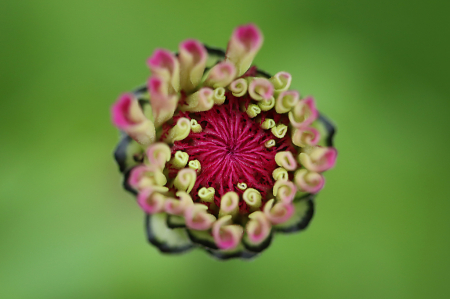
(231, 150)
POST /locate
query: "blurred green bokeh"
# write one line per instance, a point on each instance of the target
(379, 69)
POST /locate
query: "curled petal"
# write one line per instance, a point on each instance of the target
(252, 198)
(128, 116)
(268, 123)
(165, 65)
(243, 47)
(303, 212)
(267, 105)
(286, 101)
(195, 126)
(260, 89)
(180, 131)
(281, 81)
(202, 100)
(279, 131)
(278, 213)
(136, 175)
(284, 191)
(229, 204)
(286, 160)
(219, 96)
(150, 201)
(184, 197)
(198, 218)
(227, 236)
(206, 194)
(258, 228)
(221, 74)
(238, 87)
(178, 206)
(270, 143)
(163, 104)
(318, 159)
(308, 181)
(305, 137)
(195, 164)
(143, 176)
(304, 113)
(192, 57)
(280, 174)
(242, 186)
(158, 154)
(126, 112)
(185, 179)
(179, 160)
(253, 110)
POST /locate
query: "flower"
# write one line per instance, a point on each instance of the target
(220, 154)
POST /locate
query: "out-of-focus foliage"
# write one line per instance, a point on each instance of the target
(379, 69)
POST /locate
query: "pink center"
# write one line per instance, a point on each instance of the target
(231, 150)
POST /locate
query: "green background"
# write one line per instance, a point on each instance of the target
(379, 69)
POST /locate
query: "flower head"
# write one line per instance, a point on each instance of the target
(220, 154)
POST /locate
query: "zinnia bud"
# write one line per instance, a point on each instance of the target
(221, 155)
